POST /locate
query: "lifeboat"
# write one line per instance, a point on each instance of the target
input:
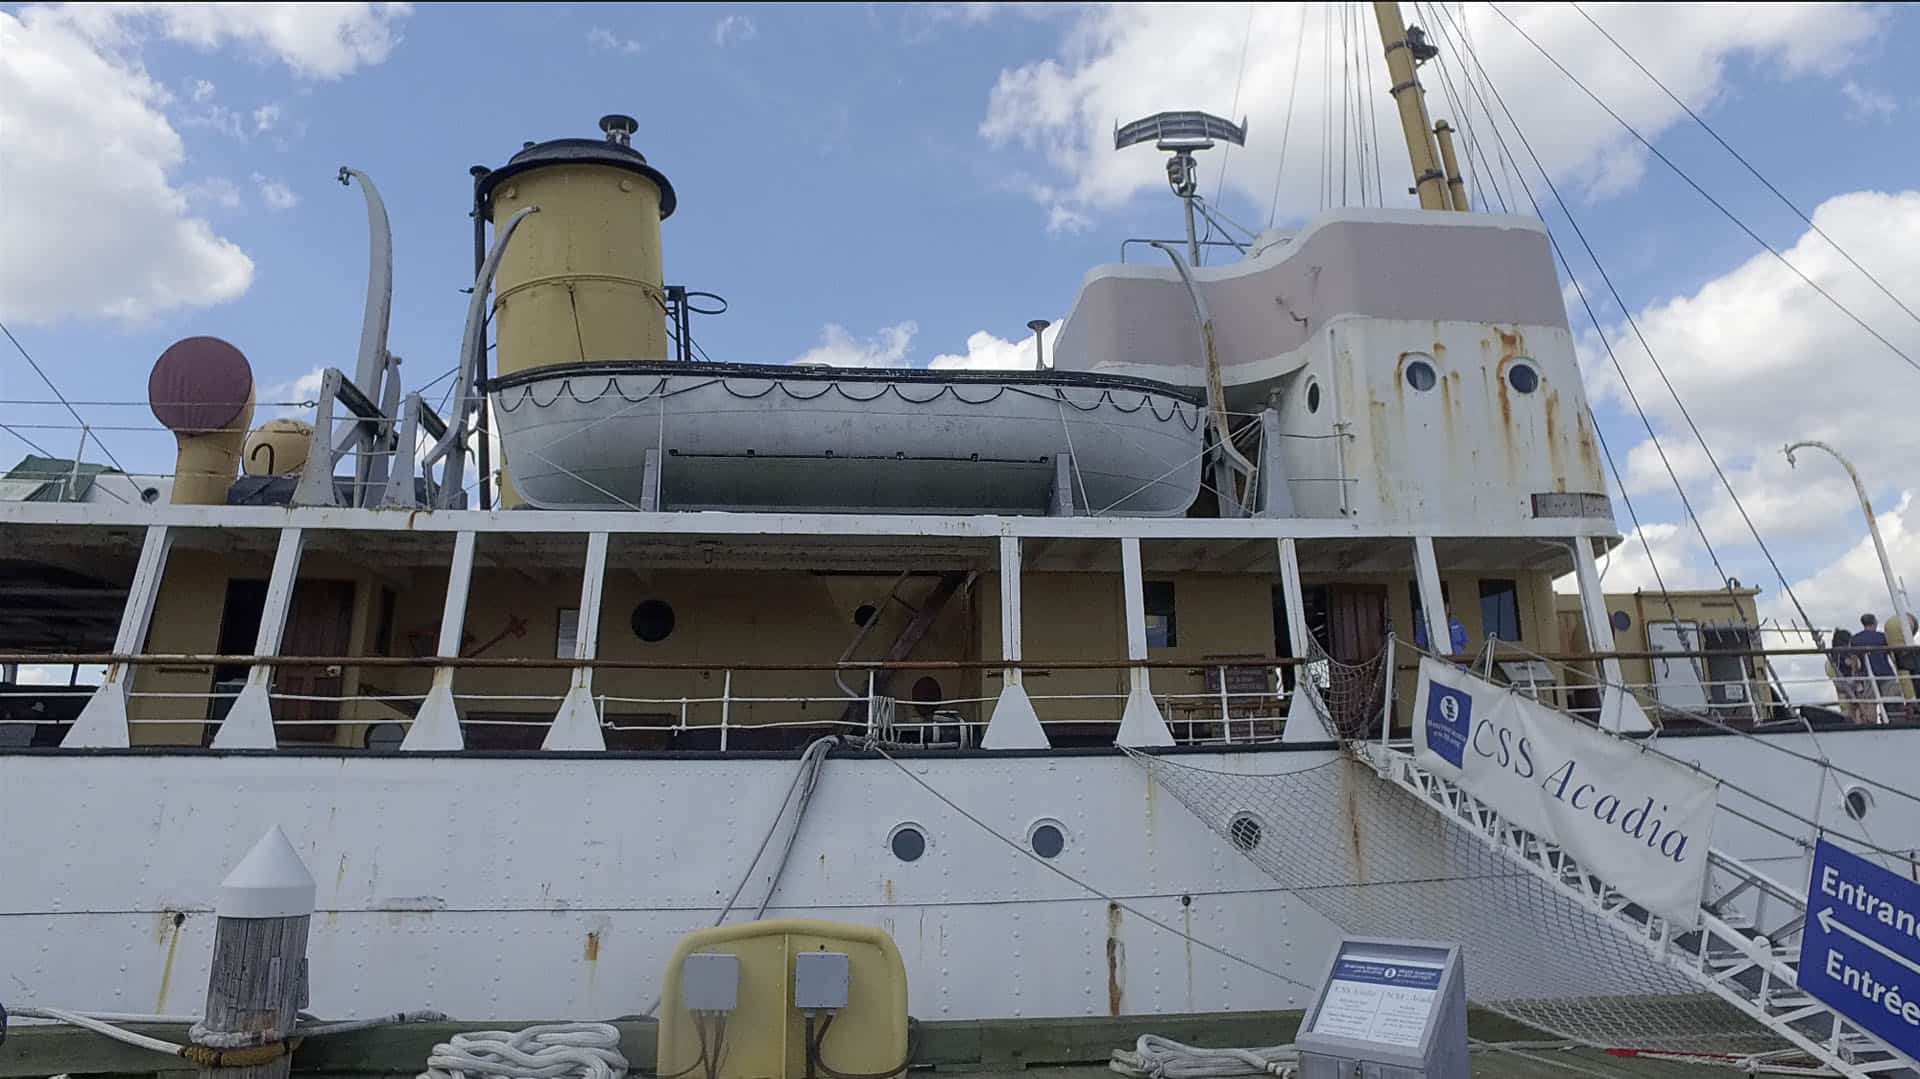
(891, 440)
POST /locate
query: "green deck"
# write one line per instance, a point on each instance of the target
(1073, 1048)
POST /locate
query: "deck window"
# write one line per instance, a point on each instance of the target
(1162, 631)
(1500, 609)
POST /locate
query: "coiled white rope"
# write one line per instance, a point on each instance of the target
(544, 1051)
(1155, 1057)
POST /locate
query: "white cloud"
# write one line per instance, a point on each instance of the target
(318, 41)
(1868, 104)
(1115, 63)
(91, 149)
(1760, 360)
(838, 348)
(275, 194)
(214, 190)
(1837, 593)
(299, 390)
(265, 118)
(602, 38)
(990, 352)
(734, 29)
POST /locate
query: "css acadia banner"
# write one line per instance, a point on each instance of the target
(1639, 821)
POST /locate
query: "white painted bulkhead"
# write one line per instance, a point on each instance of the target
(556, 886)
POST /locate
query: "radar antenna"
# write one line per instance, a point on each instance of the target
(1180, 134)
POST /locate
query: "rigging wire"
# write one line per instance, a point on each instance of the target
(1660, 369)
(1226, 153)
(1373, 118)
(1442, 29)
(1715, 203)
(1286, 127)
(1463, 108)
(1326, 112)
(77, 418)
(1768, 184)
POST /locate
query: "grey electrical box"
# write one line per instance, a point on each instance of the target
(710, 982)
(820, 981)
(1388, 1009)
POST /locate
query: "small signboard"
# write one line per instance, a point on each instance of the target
(1860, 952)
(1388, 1004)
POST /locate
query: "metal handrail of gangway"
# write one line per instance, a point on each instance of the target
(1746, 951)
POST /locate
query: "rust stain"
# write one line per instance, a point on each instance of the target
(340, 874)
(1554, 452)
(1116, 961)
(177, 921)
(592, 953)
(886, 889)
(1352, 798)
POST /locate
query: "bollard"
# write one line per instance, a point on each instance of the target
(258, 982)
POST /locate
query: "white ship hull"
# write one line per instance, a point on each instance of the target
(556, 885)
(757, 437)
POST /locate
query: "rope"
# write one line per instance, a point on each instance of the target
(543, 1051)
(1155, 1057)
(77, 418)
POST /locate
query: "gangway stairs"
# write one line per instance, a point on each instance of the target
(1746, 951)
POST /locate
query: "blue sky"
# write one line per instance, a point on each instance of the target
(915, 176)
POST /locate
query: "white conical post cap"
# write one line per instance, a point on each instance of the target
(270, 882)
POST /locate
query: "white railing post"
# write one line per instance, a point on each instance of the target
(726, 706)
(577, 724)
(1619, 711)
(1141, 723)
(1226, 715)
(1013, 724)
(1304, 722)
(249, 723)
(437, 724)
(1433, 603)
(103, 722)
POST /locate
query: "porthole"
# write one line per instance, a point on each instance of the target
(653, 620)
(385, 736)
(1313, 397)
(1622, 621)
(863, 614)
(1522, 377)
(927, 695)
(1047, 838)
(149, 494)
(907, 842)
(1857, 801)
(1245, 831)
(1420, 375)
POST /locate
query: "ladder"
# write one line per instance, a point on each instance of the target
(1746, 951)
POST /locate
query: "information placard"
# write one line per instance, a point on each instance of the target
(1860, 953)
(1378, 1001)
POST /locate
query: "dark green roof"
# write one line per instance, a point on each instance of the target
(50, 479)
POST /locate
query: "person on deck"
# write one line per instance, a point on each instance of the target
(1456, 634)
(1848, 669)
(1872, 644)
(1905, 646)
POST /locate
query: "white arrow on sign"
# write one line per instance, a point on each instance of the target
(1833, 925)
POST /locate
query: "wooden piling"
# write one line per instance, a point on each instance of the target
(258, 982)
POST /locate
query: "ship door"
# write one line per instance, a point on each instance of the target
(1349, 621)
(319, 623)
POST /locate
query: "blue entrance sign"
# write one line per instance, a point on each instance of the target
(1860, 954)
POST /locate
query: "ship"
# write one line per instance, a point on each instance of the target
(630, 641)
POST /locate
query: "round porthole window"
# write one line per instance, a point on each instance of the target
(1622, 621)
(1523, 377)
(1047, 839)
(385, 736)
(1245, 831)
(907, 842)
(653, 620)
(1421, 375)
(863, 614)
(1313, 397)
(1856, 801)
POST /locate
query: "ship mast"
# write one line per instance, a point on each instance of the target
(1436, 174)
